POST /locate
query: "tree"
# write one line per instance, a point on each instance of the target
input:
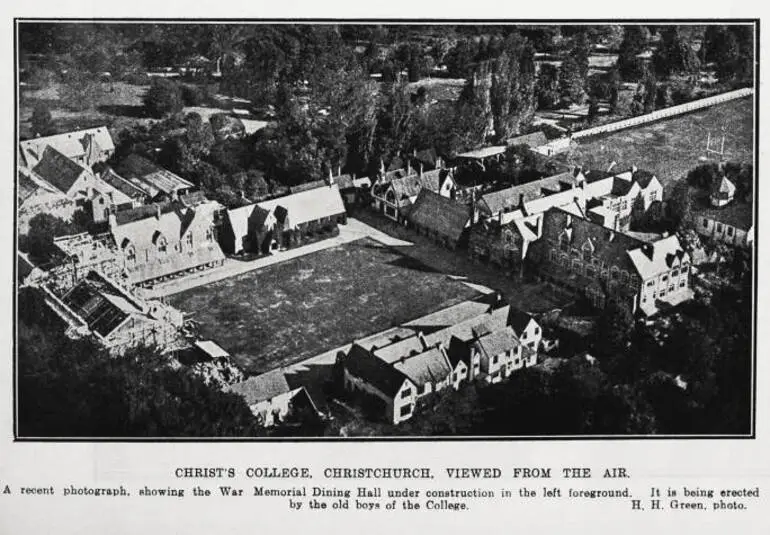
(79, 91)
(42, 122)
(547, 89)
(675, 54)
(635, 39)
(43, 228)
(164, 97)
(459, 60)
(593, 109)
(571, 82)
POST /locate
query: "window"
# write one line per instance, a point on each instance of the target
(190, 241)
(406, 410)
(719, 227)
(615, 273)
(653, 196)
(587, 255)
(564, 245)
(730, 231)
(524, 335)
(421, 390)
(406, 393)
(210, 234)
(494, 359)
(705, 222)
(537, 331)
(131, 254)
(683, 283)
(162, 245)
(663, 292)
(674, 273)
(454, 377)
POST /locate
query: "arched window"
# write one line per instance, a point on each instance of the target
(190, 240)
(130, 254)
(159, 240)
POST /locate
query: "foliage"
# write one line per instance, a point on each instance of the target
(42, 121)
(547, 89)
(79, 90)
(675, 54)
(43, 228)
(74, 388)
(164, 97)
(635, 39)
(571, 82)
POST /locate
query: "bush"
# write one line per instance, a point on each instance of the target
(163, 98)
(194, 95)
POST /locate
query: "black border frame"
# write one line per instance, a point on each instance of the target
(393, 21)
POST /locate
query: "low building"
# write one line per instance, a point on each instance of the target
(532, 140)
(440, 218)
(271, 399)
(283, 222)
(85, 147)
(157, 183)
(721, 217)
(116, 318)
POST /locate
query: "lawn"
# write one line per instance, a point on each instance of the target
(296, 309)
(672, 147)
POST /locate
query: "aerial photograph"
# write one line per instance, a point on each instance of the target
(324, 231)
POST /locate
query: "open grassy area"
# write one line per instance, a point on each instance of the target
(672, 147)
(299, 308)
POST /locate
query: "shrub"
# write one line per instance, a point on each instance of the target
(163, 98)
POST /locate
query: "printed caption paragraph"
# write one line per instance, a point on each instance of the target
(377, 489)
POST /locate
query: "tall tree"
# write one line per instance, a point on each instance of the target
(42, 121)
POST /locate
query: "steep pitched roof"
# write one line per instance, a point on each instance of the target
(442, 215)
(497, 342)
(71, 144)
(58, 170)
(519, 320)
(373, 370)
(609, 246)
(510, 198)
(652, 259)
(724, 189)
(262, 387)
(307, 206)
(486, 152)
(642, 177)
(430, 366)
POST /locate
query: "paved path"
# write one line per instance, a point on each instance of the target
(353, 230)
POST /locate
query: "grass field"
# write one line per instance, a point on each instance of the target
(299, 308)
(672, 147)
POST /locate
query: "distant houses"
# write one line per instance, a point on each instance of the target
(394, 192)
(440, 218)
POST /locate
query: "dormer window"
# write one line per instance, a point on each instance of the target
(130, 254)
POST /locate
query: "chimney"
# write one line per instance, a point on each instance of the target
(613, 164)
(330, 180)
(421, 169)
(577, 170)
(611, 236)
(421, 338)
(634, 169)
(112, 219)
(414, 152)
(521, 200)
(382, 166)
(439, 162)
(157, 211)
(339, 170)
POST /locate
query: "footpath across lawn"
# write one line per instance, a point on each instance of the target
(296, 309)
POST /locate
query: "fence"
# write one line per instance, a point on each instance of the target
(664, 113)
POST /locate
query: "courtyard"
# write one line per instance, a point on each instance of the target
(290, 311)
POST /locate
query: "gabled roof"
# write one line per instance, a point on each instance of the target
(71, 144)
(400, 349)
(307, 206)
(519, 320)
(151, 178)
(262, 387)
(430, 366)
(511, 198)
(442, 215)
(724, 189)
(610, 246)
(497, 342)
(211, 349)
(652, 259)
(642, 177)
(27, 188)
(533, 140)
(58, 170)
(374, 371)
